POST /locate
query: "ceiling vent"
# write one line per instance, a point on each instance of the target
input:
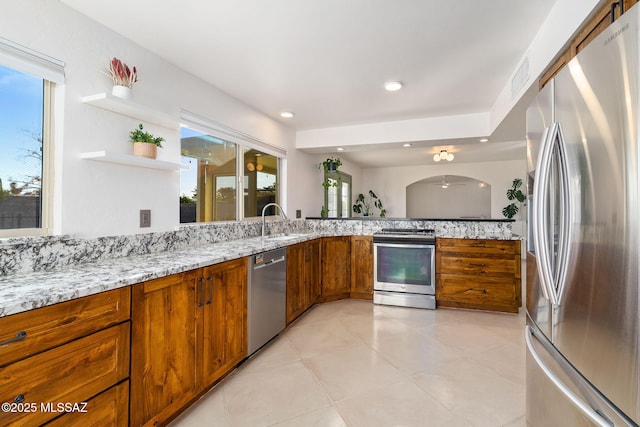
(520, 78)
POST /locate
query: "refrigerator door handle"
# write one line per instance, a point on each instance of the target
(540, 183)
(565, 231)
(579, 403)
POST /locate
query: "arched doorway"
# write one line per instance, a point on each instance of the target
(448, 196)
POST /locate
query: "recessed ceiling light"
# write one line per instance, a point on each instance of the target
(286, 114)
(340, 149)
(406, 145)
(393, 86)
(484, 140)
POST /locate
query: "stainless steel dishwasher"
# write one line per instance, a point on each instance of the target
(267, 297)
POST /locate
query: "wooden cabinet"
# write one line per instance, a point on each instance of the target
(188, 330)
(223, 342)
(303, 277)
(362, 267)
(63, 353)
(163, 347)
(336, 268)
(480, 274)
(589, 31)
(110, 408)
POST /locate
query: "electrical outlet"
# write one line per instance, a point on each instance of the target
(145, 218)
(298, 213)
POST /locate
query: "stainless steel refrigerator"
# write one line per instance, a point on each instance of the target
(582, 333)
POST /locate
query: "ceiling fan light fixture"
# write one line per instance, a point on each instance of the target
(393, 86)
(443, 155)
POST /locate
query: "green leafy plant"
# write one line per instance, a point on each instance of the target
(330, 166)
(139, 135)
(365, 204)
(514, 193)
(324, 212)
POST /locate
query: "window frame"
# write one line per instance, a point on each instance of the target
(242, 141)
(47, 171)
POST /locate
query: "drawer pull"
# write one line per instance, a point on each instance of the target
(19, 398)
(210, 279)
(20, 336)
(471, 264)
(482, 291)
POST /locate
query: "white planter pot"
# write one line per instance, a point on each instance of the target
(121, 92)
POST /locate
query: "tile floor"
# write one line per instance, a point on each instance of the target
(352, 363)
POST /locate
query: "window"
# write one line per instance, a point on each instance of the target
(337, 196)
(219, 159)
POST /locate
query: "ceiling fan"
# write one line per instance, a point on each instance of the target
(445, 183)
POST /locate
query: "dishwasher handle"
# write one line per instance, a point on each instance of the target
(270, 262)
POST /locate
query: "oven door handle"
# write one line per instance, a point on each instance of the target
(405, 245)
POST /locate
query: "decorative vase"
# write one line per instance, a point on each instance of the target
(145, 149)
(123, 92)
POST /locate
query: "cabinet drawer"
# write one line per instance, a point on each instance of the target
(477, 265)
(478, 246)
(484, 291)
(109, 408)
(51, 326)
(73, 372)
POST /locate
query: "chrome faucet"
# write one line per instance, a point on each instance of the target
(284, 216)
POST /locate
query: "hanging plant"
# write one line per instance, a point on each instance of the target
(330, 166)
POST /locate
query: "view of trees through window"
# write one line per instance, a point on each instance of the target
(21, 149)
(208, 190)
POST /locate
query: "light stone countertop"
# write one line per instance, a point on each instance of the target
(26, 291)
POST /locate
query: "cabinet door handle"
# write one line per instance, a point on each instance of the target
(471, 264)
(210, 279)
(20, 336)
(201, 280)
(482, 291)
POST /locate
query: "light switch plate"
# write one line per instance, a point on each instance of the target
(145, 218)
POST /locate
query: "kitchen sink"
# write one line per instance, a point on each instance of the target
(285, 237)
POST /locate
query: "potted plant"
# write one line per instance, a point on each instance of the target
(514, 193)
(122, 77)
(144, 143)
(364, 204)
(330, 166)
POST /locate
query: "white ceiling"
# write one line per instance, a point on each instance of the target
(327, 60)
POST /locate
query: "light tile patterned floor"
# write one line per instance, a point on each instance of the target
(352, 363)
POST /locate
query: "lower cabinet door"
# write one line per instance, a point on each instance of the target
(163, 347)
(109, 408)
(35, 387)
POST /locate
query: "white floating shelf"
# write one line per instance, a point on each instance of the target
(129, 108)
(130, 160)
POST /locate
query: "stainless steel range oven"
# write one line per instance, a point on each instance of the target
(404, 267)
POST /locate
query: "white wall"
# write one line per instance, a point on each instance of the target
(390, 183)
(93, 198)
(430, 200)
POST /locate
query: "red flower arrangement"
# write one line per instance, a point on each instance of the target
(121, 74)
